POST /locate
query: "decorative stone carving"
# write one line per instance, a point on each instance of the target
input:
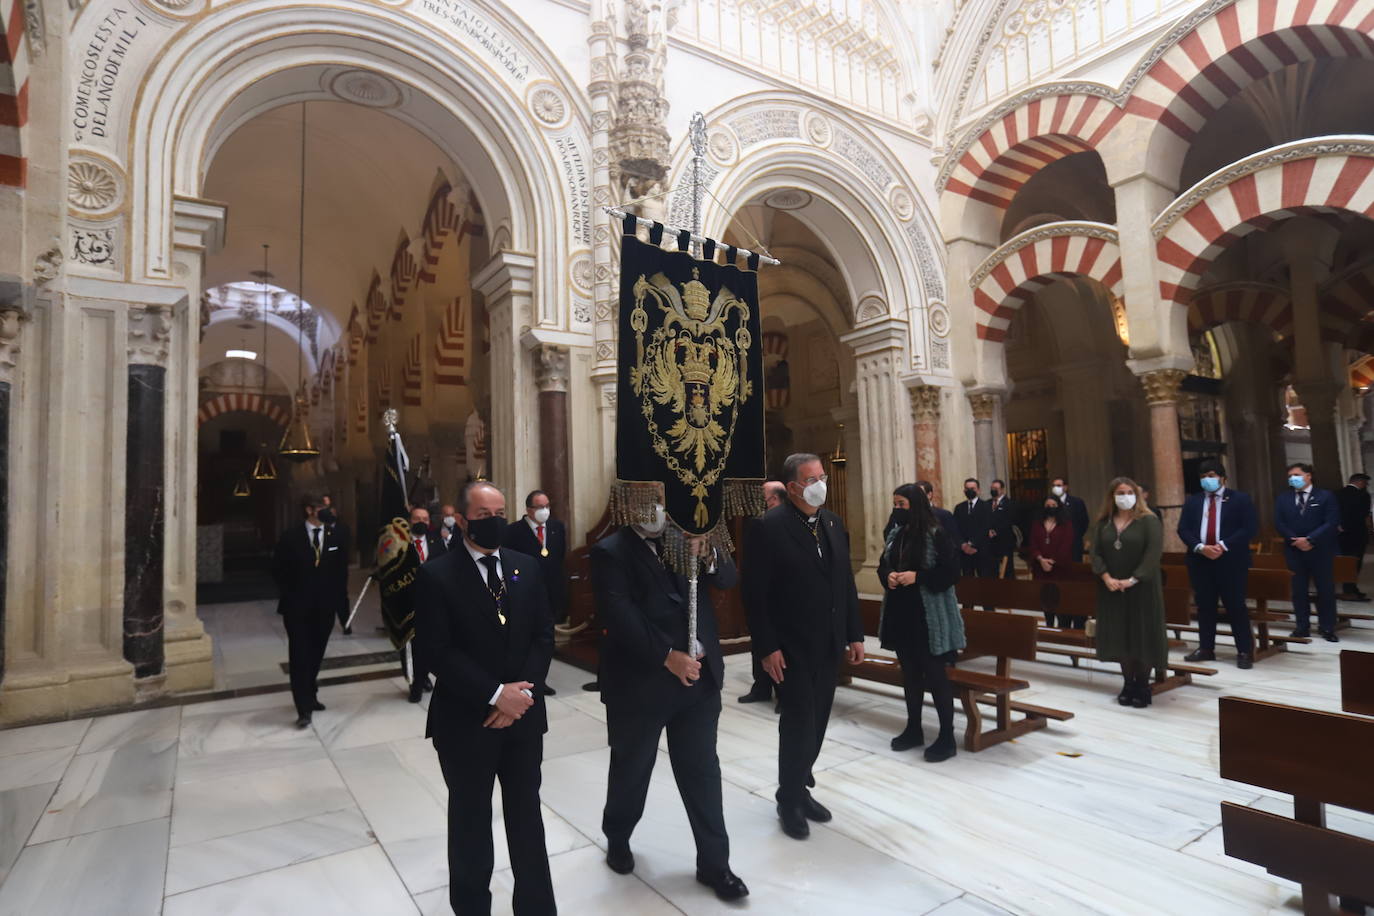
(36, 27)
(858, 154)
(48, 265)
(92, 186)
(363, 87)
(1081, 228)
(871, 308)
(984, 406)
(939, 354)
(818, 129)
(639, 140)
(932, 275)
(939, 319)
(902, 203)
(925, 403)
(547, 105)
(94, 247)
(11, 323)
(1161, 386)
(551, 367)
(721, 145)
(768, 124)
(580, 271)
(150, 330)
(788, 199)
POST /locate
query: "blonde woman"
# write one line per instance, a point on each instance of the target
(1125, 547)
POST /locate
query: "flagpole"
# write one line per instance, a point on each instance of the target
(697, 133)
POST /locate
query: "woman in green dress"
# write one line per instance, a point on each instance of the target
(1126, 543)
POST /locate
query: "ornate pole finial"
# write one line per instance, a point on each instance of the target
(389, 418)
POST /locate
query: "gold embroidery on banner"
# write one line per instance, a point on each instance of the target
(691, 366)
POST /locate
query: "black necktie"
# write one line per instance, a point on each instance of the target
(1302, 502)
(315, 534)
(495, 584)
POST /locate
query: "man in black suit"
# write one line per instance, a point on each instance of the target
(1075, 511)
(483, 624)
(803, 613)
(545, 539)
(427, 545)
(651, 679)
(448, 526)
(774, 494)
(1002, 531)
(333, 525)
(943, 516)
(1217, 526)
(973, 518)
(311, 570)
(1307, 518)
(1354, 534)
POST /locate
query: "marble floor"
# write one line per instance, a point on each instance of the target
(224, 807)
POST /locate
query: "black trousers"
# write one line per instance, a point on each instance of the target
(806, 693)
(418, 672)
(1314, 567)
(922, 672)
(1354, 544)
(1218, 580)
(472, 762)
(763, 684)
(691, 720)
(1007, 563)
(307, 634)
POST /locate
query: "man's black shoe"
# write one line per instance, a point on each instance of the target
(619, 857)
(429, 685)
(592, 686)
(815, 811)
(548, 691)
(1330, 636)
(1200, 655)
(794, 821)
(319, 707)
(348, 631)
(303, 722)
(1300, 633)
(1244, 661)
(777, 708)
(754, 697)
(726, 884)
(417, 690)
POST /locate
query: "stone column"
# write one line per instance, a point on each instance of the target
(1254, 418)
(1318, 398)
(507, 284)
(551, 376)
(1083, 400)
(886, 453)
(10, 324)
(985, 405)
(925, 429)
(1161, 392)
(144, 470)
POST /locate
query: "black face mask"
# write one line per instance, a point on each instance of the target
(996, 494)
(1051, 511)
(970, 493)
(326, 516)
(419, 529)
(899, 517)
(487, 532)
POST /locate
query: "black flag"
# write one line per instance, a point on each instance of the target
(690, 385)
(397, 561)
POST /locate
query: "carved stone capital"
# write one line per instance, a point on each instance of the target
(551, 367)
(1161, 386)
(11, 324)
(984, 406)
(925, 403)
(150, 331)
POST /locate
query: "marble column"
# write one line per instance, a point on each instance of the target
(925, 429)
(1254, 418)
(551, 377)
(1088, 458)
(985, 405)
(507, 283)
(10, 321)
(886, 454)
(1161, 393)
(1318, 397)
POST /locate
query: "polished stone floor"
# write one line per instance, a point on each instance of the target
(224, 807)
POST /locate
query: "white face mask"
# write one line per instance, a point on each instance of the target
(814, 494)
(541, 515)
(1057, 491)
(450, 522)
(1125, 501)
(654, 528)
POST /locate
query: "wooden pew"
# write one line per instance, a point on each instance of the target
(1343, 571)
(1261, 587)
(1307, 754)
(1077, 598)
(1000, 636)
(1357, 682)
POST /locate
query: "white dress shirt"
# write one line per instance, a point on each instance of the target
(310, 537)
(1210, 505)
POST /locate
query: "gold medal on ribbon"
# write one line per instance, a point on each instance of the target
(543, 551)
(501, 617)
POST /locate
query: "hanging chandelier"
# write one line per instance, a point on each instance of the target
(241, 489)
(263, 468)
(296, 444)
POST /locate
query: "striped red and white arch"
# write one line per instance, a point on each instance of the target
(237, 401)
(1032, 260)
(1305, 177)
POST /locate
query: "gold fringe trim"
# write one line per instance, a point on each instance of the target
(632, 503)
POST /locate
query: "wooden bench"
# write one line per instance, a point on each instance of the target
(1076, 597)
(1261, 587)
(1357, 682)
(1343, 570)
(1001, 636)
(1309, 755)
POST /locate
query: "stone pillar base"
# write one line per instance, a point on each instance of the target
(106, 684)
(190, 662)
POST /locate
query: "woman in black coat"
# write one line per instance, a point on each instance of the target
(921, 620)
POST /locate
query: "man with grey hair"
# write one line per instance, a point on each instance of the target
(484, 627)
(803, 612)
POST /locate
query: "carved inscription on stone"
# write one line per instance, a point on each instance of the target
(578, 181)
(770, 124)
(98, 70)
(479, 31)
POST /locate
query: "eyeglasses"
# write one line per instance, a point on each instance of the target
(810, 480)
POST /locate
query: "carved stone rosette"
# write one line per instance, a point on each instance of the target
(150, 330)
(1161, 386)
(551, 368)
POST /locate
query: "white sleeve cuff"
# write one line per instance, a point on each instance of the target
(496, 696)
